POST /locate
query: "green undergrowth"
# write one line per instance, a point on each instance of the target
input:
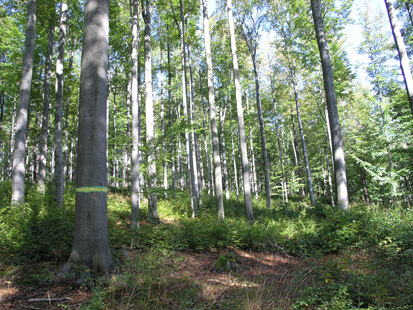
(360, 258)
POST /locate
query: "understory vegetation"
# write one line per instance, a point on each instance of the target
(332, 259)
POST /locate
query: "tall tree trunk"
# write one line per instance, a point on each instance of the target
(165, 172)
(206, 146)
(401, 48)
(67, 113)
(253, 52)
(212, 115)
(188, 140)
(59, 176)
(193, 134)
(339, 162)
(171, 118)
(196, 154)
(364, 181)
(233, 154)
(35, 151)
(91, 245)
(149, 107)
(46, 105)
(254, 181)
(241, 129)
(135, 115)
(300, 126)
(11, 140)
(19, 168)
(222, 113)
(280, 152)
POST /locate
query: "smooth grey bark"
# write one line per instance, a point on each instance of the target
(300, 126)
(59, 175)
(253, 170)
(222, 113)
(337, 141)
(206, 146)
(11, 140)
(173, 174)
(67, 113)
(234, 161)
(212, 115)
(135, 115)
(401, 48)
(19, 167)
(91, 245)
(240, 115)
(46, 106)
(193, 134)
(149, 107)
(165, 172)
(188, 140)
(253, 52)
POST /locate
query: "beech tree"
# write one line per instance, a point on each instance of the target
(240, 116)
(336, 137)
(91, 245)
(19, 167)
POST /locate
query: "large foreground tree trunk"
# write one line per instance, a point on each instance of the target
(19, 168)
(241, 128)
(91, 246)
(338, 152)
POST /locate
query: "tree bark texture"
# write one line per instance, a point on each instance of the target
(212, 116)
(91, 246)
(135, 116)
(46, 106)
(149, 107)
(19, 168)
(59, 175)
(240, 115)
(338, 152)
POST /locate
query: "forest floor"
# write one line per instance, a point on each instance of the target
(244, 273)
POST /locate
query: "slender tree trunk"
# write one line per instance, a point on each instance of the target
(59, 176)
(11, 141)
(193, 134)
(19, 168)
(91, 245)
(188, 144)
(254, 171)
(165, 172)
(401, 48)
(135, 115)
(240, 114)
(171, 118)
(149, 107)
(280, 152)
(253, 51)
(233, 155)
(206, 147)
(307, 164)
(223, 148)
(46, 105)
(67, 113)
(35, 151)
(339, 162)
(212, 116)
